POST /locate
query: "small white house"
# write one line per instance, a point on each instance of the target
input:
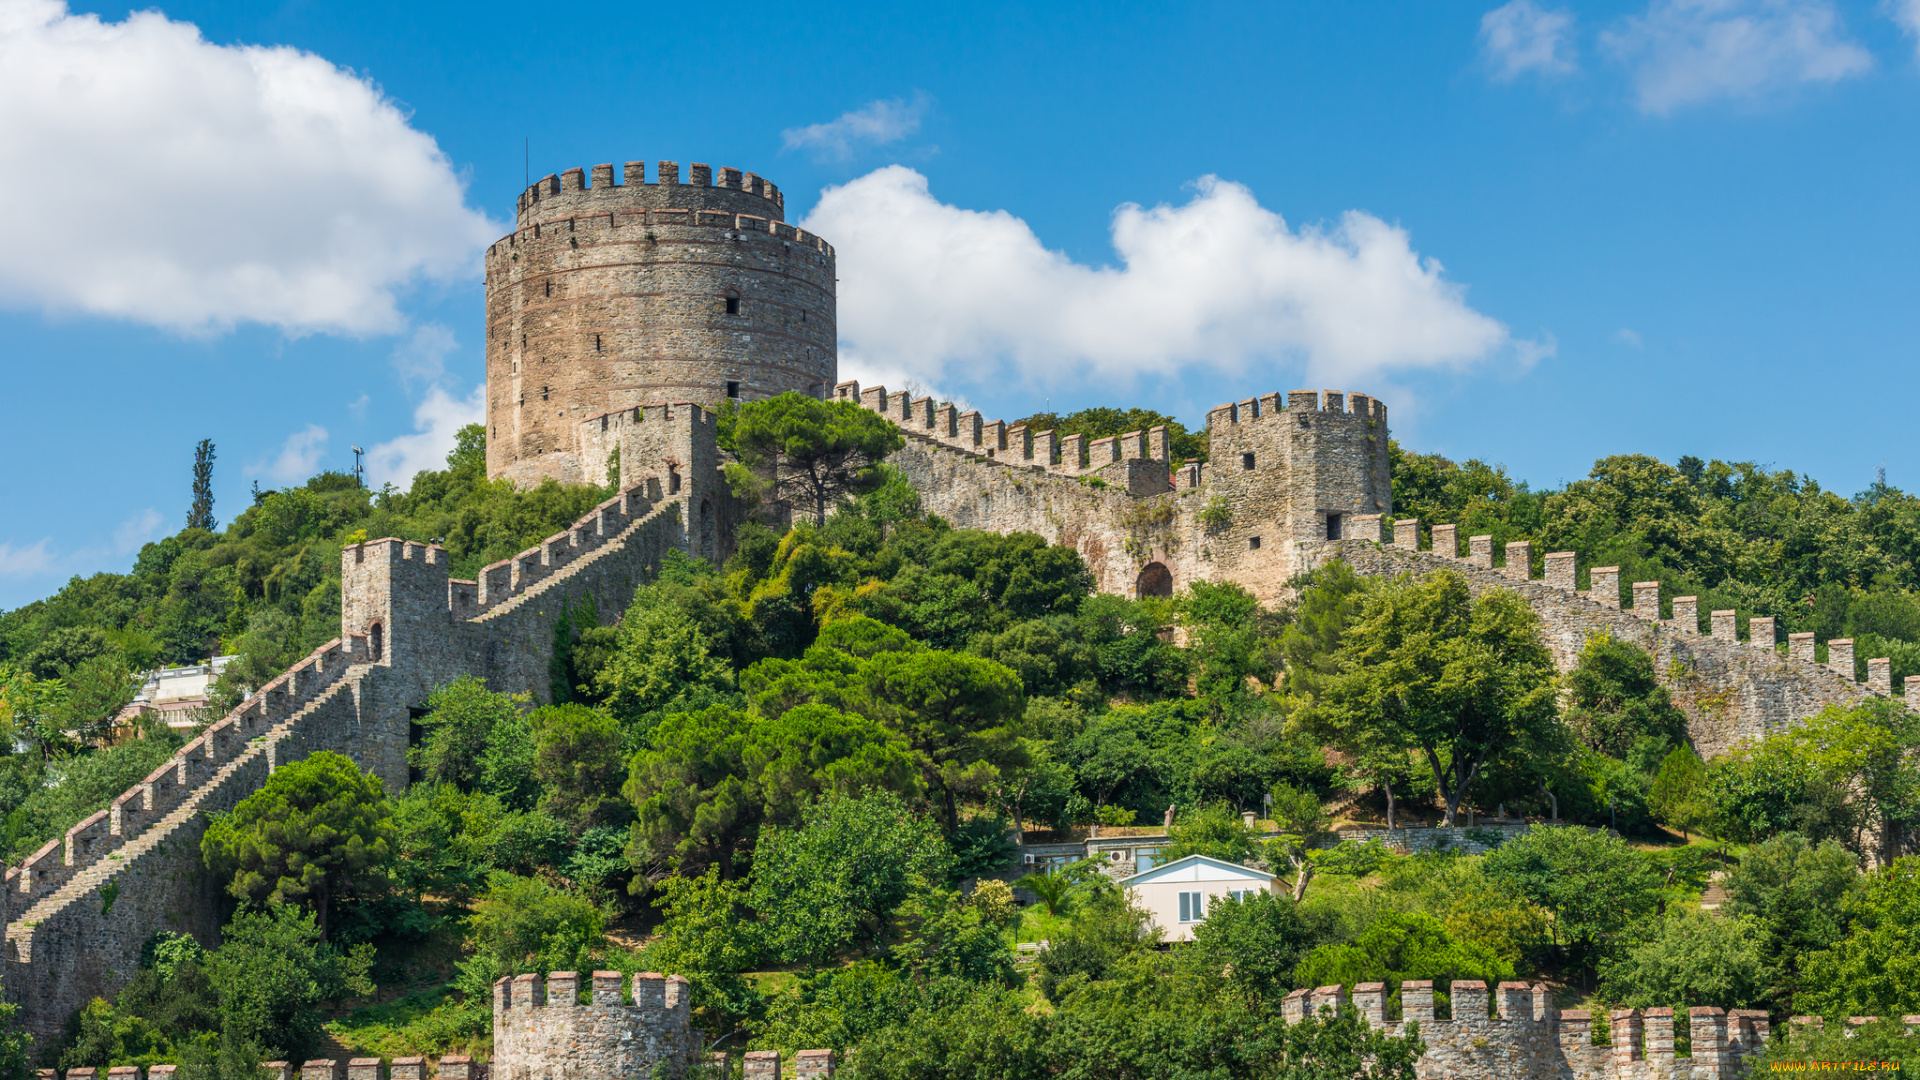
(1179, 893)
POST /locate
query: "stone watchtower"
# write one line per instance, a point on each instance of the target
(612, 295)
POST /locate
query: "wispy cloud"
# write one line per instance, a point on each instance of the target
(875, 123)
(422, 358)
(1906, 13)
(1629, 338)
(143, 526)
(1685, 52)
(1521, 37)
(298, 459)
(25, 561)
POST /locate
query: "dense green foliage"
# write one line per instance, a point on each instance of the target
(793, 777)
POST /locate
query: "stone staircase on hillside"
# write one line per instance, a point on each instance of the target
(578, 564)
(84, 885)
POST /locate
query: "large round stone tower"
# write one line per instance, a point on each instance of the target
(611, 295)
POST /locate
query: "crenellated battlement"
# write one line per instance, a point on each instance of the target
(1296, 403)
(575, 187)
(1733, 689)
(542, 1029)
(1516, 1032)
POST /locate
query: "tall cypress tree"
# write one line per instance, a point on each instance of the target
(200, 516)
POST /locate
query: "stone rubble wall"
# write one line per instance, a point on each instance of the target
(1525, 1037)
(1285, 470)
(1733, 692)
(407, 629)
(607, 296)
(542, 1030)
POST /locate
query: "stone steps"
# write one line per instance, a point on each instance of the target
(87, 882)
(617, 543)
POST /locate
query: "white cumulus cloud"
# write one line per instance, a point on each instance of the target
(1684, 52)
(875, 123)
(436, 420)
(937, 292)
(158, 177)
(299, 457)
(422, 358)
(1521, 36)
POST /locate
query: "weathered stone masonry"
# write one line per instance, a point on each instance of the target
(614, 295)
(406, 628)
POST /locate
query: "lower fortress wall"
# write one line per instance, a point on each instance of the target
(407, 629)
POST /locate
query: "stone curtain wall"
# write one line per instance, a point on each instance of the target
(69, 945)
(541, 1030)
(612, 295)
(1527, 1038)
(1279, 471)
(406, 628)
(1733, 692)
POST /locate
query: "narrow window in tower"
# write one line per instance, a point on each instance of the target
(1246, 461)
(543, 393)
(733, 304)
(733, 388)
(596, 343)
(549, 285)
(1333, 526)
(1253, 543)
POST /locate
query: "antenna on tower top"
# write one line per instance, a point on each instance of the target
(359, 474)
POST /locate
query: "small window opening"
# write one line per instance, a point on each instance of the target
(733, 305)
(1246, 461)
(803, 316)
(375, 640)
(1253, 543)
(733, 389)
(543, 393)
(1333, 526)
(596, 343)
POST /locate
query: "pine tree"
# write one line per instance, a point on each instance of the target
(200, 516)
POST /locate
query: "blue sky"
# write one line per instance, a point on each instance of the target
(1543, 232)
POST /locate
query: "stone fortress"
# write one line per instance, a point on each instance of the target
(617, 314)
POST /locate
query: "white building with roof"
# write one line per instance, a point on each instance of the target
(1179, 893)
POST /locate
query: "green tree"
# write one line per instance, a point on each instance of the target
(1593, 884)
(459, 731)
(956, 712)
(1429, 667)
(524, 924)
(577, 761)
(707, 937)
(662, 660)
(836, 881)
(316, 829)
(1615, 700)
(1401, 946)
(815, 452)
(1677, 794)
(1302, 823)
(274, 972)
(1793, 892)
(1257, 940)
(1688, 958)
(1875, 969)
(1214, 831)
(200, 514)
(16, 1046)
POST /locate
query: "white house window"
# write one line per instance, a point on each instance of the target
(1240, 894)
(1193, 906)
